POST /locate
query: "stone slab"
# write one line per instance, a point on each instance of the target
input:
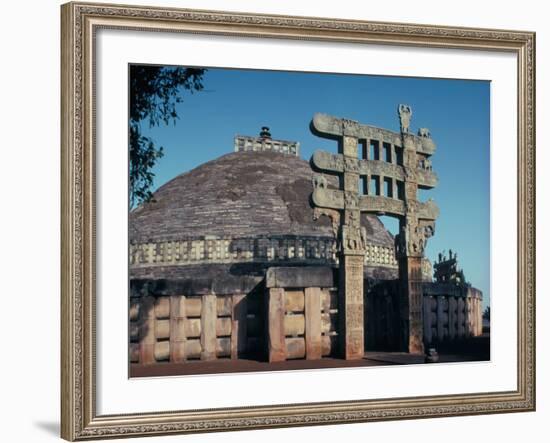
(300, 277)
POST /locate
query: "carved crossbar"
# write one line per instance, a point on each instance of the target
(335, 163)
(334, 199)
(331, 127)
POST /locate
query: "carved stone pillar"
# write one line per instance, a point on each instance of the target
(410, 276)
(351, 307)
(351, 260)
(411, 248)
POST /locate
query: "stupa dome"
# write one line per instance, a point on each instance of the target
(243, 207)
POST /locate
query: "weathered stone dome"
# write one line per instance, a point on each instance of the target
(241, 207)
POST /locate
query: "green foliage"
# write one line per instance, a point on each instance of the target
(154, 93)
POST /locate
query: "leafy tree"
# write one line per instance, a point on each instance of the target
(154, 93)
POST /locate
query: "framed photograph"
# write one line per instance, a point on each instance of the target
(283, 221)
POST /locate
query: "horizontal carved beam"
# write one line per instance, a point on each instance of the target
(337, 164)
(428, 210)
(333, 199)
(332, 127)
(328, 198)
(379, 204)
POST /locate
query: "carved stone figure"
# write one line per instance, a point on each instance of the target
(363, 237)
(424, 132)
(428, 228)
(405, 114)
(333, 214)
(401, 243)
(348, 125)
(352, 219)
(352, 239)
(351, 165)
(319, 181)
(417, 235)
(351, 200)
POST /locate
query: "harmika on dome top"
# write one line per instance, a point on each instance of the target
(246, 206)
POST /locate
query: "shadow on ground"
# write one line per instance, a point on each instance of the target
(50, 427)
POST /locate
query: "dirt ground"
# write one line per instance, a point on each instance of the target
(472, 349)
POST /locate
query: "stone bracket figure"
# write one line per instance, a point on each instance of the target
(330, 213)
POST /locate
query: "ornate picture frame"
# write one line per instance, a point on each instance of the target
(80, 23)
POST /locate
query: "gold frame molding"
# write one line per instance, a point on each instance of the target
(79, 22)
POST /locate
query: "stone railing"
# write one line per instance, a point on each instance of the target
(377, 255)
(291, 313)
(229, 250)
(247, 143)
(179, 328)
(450, 316)
(450, 312)
(302, 310)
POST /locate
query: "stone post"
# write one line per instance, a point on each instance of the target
(468, 315)
(147, 337)
(410, 275)
(452, 318)
(276, 325)
(351, 307)
(238, 325)
(478, 316)
(177, 329)
(461, 318)
(427, 305)
(411, 248)
(352, 257)
(312, 312)
(208, 327)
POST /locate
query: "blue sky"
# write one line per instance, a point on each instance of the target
(457, 112)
